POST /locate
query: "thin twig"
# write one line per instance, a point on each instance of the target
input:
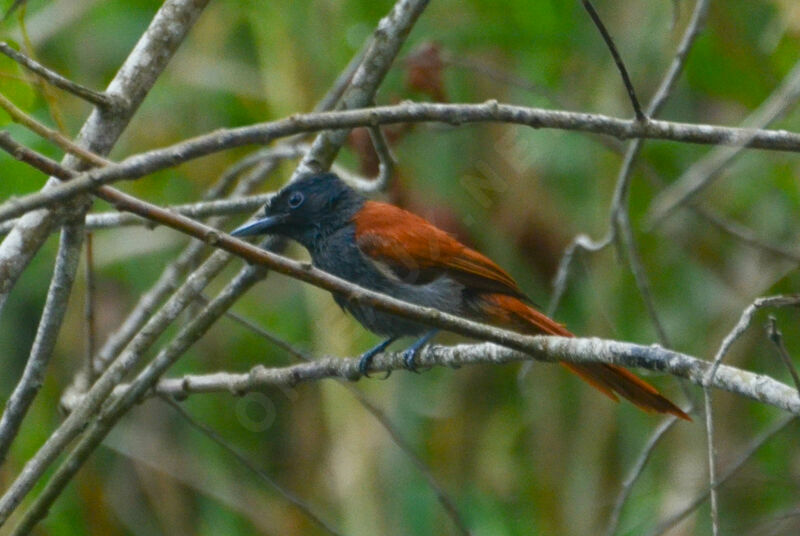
(712, 460)
(694, 27)
(54, 136)
(745, 319)
(94, 97)
(214, 436)
(637, 108)
(619, 200)
(263, 333)
(776, 337)
(745, 235)
(200, 210)
(621, 229)
(43, 345)
(88, 309)
(580, 242)
(628, 245)
(441, 495)
(386, 163)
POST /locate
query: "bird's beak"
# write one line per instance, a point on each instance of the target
(261, 226)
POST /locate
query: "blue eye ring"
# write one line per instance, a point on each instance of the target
(296, 199)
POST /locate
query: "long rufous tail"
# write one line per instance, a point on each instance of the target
(508, 311)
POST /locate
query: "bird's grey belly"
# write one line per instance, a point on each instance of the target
(443, 294)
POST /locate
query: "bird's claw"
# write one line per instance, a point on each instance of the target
(363, 366)
(408, 359)
(411, 353)
(366, 358)
(364, 363)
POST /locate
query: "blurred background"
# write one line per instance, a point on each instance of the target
(537, 453)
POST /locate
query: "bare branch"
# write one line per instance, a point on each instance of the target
(385, 167)
(308, 273)
(90, 334)
(94, 97)
(429, 316)
(49, 325)
(712, 460)
(541, 348)
(156, 160)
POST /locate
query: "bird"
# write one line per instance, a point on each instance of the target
(389, 250)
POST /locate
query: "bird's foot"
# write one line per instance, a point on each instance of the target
(365, 360)
(410, 354)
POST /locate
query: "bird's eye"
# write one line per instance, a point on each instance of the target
(296, 200)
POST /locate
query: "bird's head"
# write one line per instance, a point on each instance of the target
(307, 210)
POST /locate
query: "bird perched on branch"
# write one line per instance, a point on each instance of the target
(389, 250)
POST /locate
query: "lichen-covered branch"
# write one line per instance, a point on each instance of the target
(543, 348)
(149, 162)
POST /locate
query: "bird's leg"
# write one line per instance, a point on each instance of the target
(412, 351)
(366, 358)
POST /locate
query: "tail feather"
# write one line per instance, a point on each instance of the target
(611, 380)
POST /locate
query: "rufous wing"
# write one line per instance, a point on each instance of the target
(416, 251)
